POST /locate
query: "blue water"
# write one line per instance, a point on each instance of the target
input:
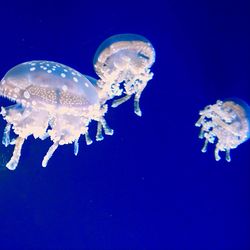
(148, 186)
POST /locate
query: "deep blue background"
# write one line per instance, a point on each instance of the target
(148, 186)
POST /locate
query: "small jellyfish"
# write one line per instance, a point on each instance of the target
(226, 123)
(52, 100)
(123, 64)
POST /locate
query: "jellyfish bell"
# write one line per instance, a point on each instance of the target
(246, 109)
(92, 80)
(123, 64)
(226, 123)
(48, 84)
(52, 100)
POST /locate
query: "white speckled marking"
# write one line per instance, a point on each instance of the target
(75, 79)
(86, 84)
(16, 90)
(26, 94)
(63, 75)
(64, 88)
(32, 69)
(3, 82)
(49, 71)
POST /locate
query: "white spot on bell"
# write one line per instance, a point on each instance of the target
(75, 79)
(26, 94)
(49, 71)
(86, 84)
(64, 88)
(16, 90)
(63, 75)
(32, 69)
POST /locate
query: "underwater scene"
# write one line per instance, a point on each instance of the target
(125, 125)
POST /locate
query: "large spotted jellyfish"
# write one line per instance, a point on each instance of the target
(226, 123)
(123, 64)
(52, 100)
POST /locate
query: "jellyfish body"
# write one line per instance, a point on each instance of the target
(52, 100)
(227, 124)
(123, 64)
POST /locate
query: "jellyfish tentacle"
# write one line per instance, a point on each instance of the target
(216, 153)
(102, 124)
(106, 128)
(137, 109)
(76, 147)
(49, 153)
(228, 157)
(120, 101)
(12, 164)
(135, 89)
(204, 148)
(6, 135)
(99, 136)
(87, 138)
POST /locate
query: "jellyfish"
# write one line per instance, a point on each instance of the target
(226, 123)
(51, 100)
(55, 101)
(123, 64)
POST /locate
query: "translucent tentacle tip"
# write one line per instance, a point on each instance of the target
(12, 164)
(88, 139)
(99, 137)
(137, 109)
